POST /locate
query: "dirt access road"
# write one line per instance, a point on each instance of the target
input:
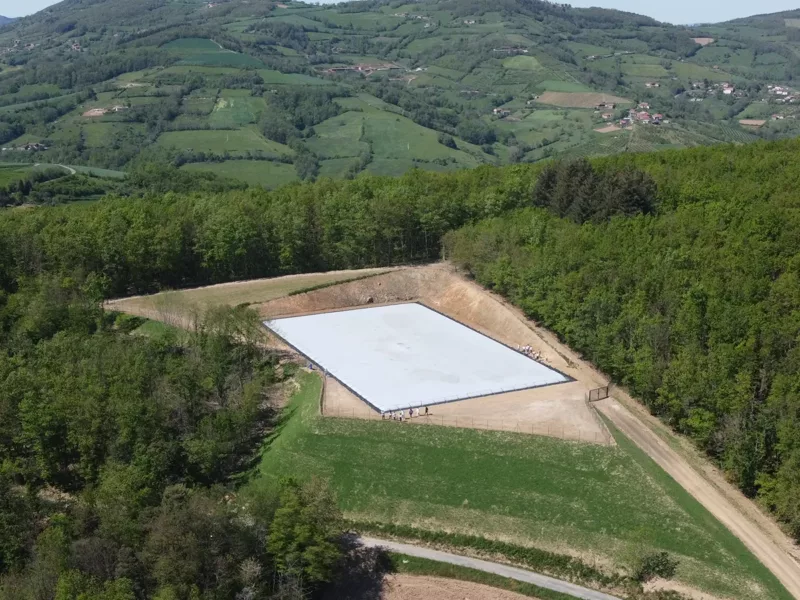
(543, 581)
(755, 535)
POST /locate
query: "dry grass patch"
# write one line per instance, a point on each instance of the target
(177, 307)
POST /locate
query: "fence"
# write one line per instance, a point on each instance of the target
(548, 428)
(596, 394)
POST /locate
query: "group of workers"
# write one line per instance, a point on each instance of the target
(400, 415)
(529, 351)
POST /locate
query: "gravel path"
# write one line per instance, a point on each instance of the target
(542, 581)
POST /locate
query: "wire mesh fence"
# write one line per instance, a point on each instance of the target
(596, 394)
(549, 428)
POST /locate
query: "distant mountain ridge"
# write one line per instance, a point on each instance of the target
(6, 20)
(281, 90)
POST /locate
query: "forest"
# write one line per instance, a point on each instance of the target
(675, 272)
(117, 453)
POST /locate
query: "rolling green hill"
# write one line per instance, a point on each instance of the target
(380, 86)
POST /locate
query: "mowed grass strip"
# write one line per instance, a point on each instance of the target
(607, 505)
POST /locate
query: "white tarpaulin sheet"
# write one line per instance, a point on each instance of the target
(408, 355)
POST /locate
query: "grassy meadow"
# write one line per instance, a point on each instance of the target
(263, 173)
(607, 506)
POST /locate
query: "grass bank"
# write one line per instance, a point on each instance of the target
(603, 506)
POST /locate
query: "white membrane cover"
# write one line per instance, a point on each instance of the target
(409, 355)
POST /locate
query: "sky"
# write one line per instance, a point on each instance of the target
(671, 11)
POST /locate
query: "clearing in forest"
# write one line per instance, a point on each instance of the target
(406, 355)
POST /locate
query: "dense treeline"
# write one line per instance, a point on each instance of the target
(576, 190)
(140, 245)
(695, 309)
(116, 452)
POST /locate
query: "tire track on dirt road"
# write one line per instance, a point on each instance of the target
(771, 554)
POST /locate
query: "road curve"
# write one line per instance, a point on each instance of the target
(543, 581)
(775, 558)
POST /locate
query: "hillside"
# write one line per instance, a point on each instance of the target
(272, 92)
(5, 20)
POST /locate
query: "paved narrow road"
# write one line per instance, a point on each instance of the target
(775, 558)
(542, 581)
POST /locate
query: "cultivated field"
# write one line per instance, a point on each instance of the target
(579, 100)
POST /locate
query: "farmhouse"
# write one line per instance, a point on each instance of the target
(501, 112)
(652, 84)
(603, 105)
(607, 116)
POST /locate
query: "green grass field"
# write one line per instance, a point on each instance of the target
(605, 505)
(339, 137)
(255, 172)
(12, 172)
(233, 141)
(522, 62)
(235, 110)
(205, 52)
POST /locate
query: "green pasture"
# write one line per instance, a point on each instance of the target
(218, 141)
(12, 172)
(205, 52)
(336, 168)
(693, 72)
(339, 137)
(235, 111)
(395, 136)
(255, 172)
(608, 503)
(522, 62)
